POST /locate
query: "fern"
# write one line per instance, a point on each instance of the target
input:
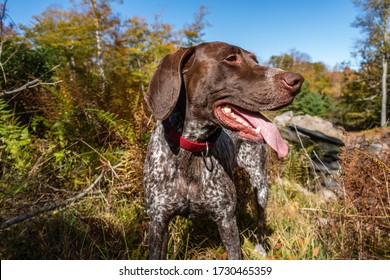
(297, 168)
(120, 127)
(14, 139)
(16, 152)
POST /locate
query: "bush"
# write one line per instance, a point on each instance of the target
(312, 103)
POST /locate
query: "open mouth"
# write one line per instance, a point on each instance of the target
(251, 125)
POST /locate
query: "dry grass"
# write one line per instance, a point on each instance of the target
(365, 181)
(111, 223)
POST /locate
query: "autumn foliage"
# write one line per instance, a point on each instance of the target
(74, 129)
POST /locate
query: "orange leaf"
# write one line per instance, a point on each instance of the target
(278, 246)
(223, 256)
(316, 251)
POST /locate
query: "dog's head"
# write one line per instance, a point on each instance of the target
(225, 85)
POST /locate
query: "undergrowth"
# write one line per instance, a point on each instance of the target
(71, 188)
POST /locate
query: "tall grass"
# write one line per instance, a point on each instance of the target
(109, 220)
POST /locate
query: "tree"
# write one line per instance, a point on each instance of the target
(374, 48)
(358, 110)
(193, 32)
(107, 62)
(23, 70)
(317, 77)
(101, 14)
(78, 39)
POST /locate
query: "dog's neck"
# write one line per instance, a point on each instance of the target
(191, 127)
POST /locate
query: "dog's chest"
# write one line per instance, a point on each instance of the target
(202, 191)
(187, 183)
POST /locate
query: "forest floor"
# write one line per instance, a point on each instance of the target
(110, 222)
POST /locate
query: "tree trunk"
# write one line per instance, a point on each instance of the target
(384, 92)
(385, 58)
(99, 57)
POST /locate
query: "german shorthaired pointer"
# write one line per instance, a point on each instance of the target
(207, 101)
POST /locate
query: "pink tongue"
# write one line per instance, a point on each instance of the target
(269, 132)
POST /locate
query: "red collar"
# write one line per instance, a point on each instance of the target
(195, 147)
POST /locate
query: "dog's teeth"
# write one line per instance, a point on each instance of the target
(258, 129)
(227, 110)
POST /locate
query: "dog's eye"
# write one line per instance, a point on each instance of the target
(232, 58)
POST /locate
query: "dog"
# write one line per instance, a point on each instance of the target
(207, 100)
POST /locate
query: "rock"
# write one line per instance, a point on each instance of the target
(378, 149)
(327, 168)
(375, 142)
(283, 119)
(260, 250)
(315, 128)
(317, 134)
(327, 195)
(316, 124)
(323, 138)
(329, 182)
(295, 136)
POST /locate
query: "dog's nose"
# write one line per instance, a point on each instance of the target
(292, 81)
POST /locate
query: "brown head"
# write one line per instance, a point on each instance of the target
(224, 86)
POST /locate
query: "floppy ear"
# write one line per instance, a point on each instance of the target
(164, 88)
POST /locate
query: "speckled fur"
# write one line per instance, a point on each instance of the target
(190, 189)
(252, 157)
(185, 90)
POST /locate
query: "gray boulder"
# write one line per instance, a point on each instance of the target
(310, 131)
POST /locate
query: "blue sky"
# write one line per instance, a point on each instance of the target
(320, 28)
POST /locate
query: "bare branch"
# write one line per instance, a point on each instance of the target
(28, 85)
(52, 206)
(31, 84)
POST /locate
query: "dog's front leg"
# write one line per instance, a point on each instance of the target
(229, 234)
(158, 239)
(261, 202)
